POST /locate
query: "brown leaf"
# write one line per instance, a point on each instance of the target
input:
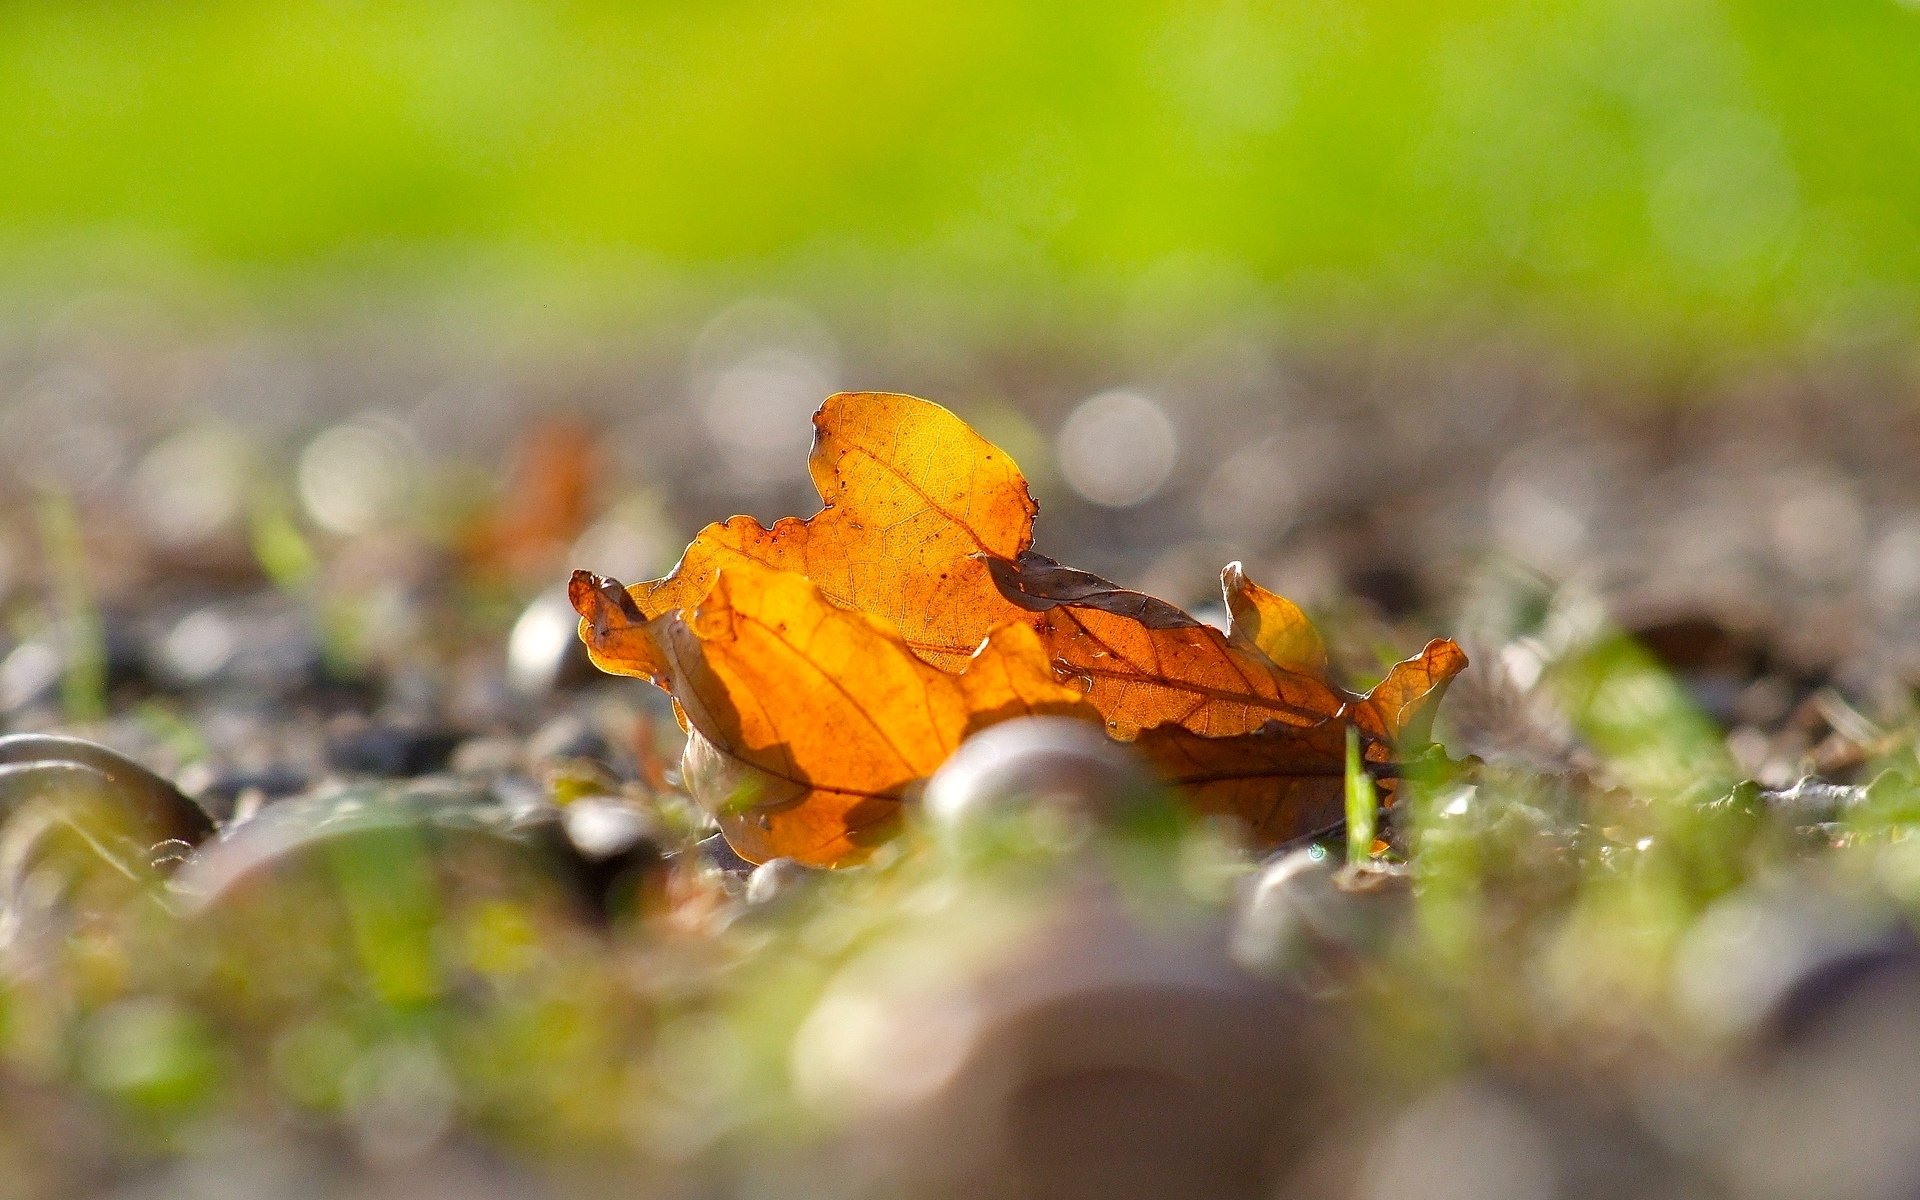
(1143, 662)
(1281, 781)
(1399, 712)
(810, 721)
(614, 629)
(1286, 782)
(914, 501)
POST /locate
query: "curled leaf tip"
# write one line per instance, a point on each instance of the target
(1271, 625)
(593, 594)
(601, 599)
(613, 626)
(1399, 712)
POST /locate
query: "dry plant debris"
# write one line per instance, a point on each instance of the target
(825, 666)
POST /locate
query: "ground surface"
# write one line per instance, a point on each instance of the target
(314, 579)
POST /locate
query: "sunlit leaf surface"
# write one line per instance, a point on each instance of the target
(825, 666)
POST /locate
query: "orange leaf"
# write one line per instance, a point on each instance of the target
(913, 501)
(1282, 782)
(614, 629)
(1143, 662)
(809, 721)
(1287, 782)
(825, 666)
(1399, 712)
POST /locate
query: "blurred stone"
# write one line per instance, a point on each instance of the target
(776, 880)
(391, 751)
(32, 672)
(37, 766)
(1305, 907)
(1762, 965)
(1482, 1138)
(544, 650)
(229, 1162)
(621, 849)
(568, 736)
(1822, 1103)
(264, 648)
(477, 839)
(30, 675)
(221, 793)
(1054, 763)
(87, 832)
(603, 826)
(1395, 589)
(488, 755)
(1083, 1055)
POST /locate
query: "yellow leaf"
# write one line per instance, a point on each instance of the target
(1272, 625)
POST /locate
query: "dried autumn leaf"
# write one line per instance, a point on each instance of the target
(808, 721)
(913, 502)
(1286, 782)
(614, 629)
(1271, 624)
(920, 551)
(1145, 663)
(1399, 712)
(927, 525)
(1281, 782)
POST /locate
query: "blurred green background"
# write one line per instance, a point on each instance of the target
(1638, 173)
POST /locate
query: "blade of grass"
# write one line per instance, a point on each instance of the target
(1363, 802)
(83, 685)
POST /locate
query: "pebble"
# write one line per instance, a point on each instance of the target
(1085, 1056)
(86, 832)
(1764, 967)
(488, 755)
(620, 851)
(594, 851)
(776, 881)
(32, 765)
(544, 651)
(716, 852)
(221, 793)
(30, 676)
(604, 827)
(300, 832)
(1304, 908)
(32, 673)
(1048, 762)
(1818, 1000)
(568, 736)
(271, 653)
(1479, 1137)
(391, 751)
